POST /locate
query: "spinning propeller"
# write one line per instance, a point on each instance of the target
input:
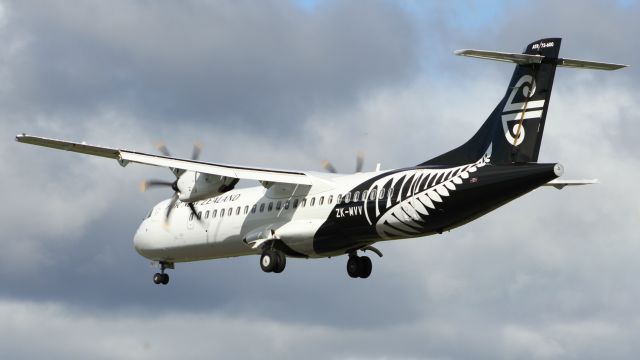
(359, 163)
(197, 147)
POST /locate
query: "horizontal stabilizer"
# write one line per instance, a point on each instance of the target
(526, 59)
(560, 184)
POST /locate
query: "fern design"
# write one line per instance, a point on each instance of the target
(416, 194)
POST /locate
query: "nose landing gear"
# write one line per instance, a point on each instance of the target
(162, 277)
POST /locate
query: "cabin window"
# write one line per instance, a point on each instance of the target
(191, 217)
(238, 210)
(347, 197)
(303, 203)
(230, 212)
(270, 206)
(253, 208)
(339, 199)
(206, 214)
(295, 203)
(356, 196)
(381, 194)
(372, 195)
(390, 193)
(364, 195)
(199, 214)
(222, 213)
(262, 207)
(278, 205)
(215, 212)
(246, 209)
(313, 201)
(286, 205)
(321, 201)
(330, 199)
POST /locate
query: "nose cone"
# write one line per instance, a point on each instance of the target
(141, 240)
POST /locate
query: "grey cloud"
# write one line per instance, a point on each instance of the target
(263, 65)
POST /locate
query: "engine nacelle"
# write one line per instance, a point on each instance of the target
(194, 186)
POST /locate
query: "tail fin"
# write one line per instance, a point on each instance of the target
(513, 131)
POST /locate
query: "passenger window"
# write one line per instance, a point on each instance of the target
(191, 217)
(347, 197)
(206, 214)
(222, 213)
(295, 203)
(253, 209)
(238, 210)
(246, 209)
(270, 206)
(262, 207)
(313, 201)
(321, 201)
(286, 205)
(339, 199)
(303, 203)
(330, 199)
(215, 212)
(364, 195)
(381, 194)
(390, 193)
(199, 214)
(230, 212)
(278, 205)
(372, 195)
(356, 196)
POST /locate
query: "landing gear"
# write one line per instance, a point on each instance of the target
(273, 261)
(162, 277)
(359, 266)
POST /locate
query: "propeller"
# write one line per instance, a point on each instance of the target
(147, 184)
(359, 164)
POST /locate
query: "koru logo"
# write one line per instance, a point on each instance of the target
(517, 112)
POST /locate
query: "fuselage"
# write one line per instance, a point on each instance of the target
(338, 214)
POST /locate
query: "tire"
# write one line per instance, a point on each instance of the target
(365, 267)
(157, 278)
(268, 261)
(165, 279)
(353, 266)
(281, 262)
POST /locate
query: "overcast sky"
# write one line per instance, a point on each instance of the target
(287, 84)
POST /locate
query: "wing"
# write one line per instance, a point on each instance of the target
(125, 156)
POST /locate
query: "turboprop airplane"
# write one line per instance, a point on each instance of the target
(302, 214)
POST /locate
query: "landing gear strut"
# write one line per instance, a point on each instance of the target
(162, 277)
(359, 266)
(273, 261)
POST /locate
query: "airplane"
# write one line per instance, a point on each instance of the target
(304, 214)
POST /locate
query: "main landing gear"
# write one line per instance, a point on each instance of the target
(162, 277)
(273, 261)
(359, 266)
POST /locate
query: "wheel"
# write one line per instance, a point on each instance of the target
(353, 266)
(267, 261)
(281, 262)
(365, 267)
(165, 279)
(157, 278)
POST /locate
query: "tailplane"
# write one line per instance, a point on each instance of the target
(513, 131)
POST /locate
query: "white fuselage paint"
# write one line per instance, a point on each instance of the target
(186, 239)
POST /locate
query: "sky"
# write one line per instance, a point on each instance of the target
(287, 84)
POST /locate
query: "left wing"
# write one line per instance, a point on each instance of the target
(125, 156)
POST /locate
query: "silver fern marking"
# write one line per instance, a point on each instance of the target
(416, 194)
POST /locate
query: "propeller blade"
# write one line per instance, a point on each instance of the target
(173, 201)
(194, 212)
(154, 183)
(359, 161)
(327, 166)
(163, 149)
(197, 148)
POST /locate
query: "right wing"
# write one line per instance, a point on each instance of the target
(125, 156)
